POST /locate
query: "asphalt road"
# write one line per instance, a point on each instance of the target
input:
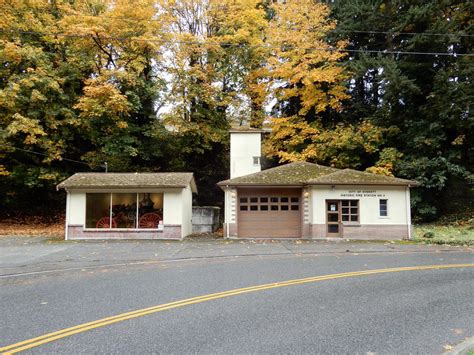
(423, 311)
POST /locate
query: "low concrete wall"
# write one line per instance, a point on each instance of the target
(364, 232)
(77, 232)
(205, 219)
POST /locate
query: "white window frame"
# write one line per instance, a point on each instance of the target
(386, 204)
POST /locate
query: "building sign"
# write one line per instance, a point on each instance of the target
(362, 193)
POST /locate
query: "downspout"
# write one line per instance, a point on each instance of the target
(408, 210)
(227, 214)
(68, 206)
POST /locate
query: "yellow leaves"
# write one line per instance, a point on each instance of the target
(459, 140)
(11, 52)
(102, 99)
(122, 124)
(388, 159)
(32, 128)
(302, 59)
(36, 96)
(294, 139)
(4, 171)
(381, 170)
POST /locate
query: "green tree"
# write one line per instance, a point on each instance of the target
(424, 100)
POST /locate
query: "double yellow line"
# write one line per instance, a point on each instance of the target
(50, 337)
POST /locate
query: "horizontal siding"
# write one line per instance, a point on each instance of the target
(269, 224)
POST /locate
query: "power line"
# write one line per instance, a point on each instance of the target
(227, 44)
(42, 154)
(458, 34)
(396, 33)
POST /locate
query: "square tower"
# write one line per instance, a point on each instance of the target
(245, 151)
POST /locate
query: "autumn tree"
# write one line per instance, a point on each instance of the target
(307, 81)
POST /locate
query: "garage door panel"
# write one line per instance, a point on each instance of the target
(269, 213)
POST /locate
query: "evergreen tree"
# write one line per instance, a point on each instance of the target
(423, 101)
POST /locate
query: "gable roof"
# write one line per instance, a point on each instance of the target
(304, 173)
(297, 173)
(128, 180)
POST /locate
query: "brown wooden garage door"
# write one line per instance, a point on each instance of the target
(269, 213)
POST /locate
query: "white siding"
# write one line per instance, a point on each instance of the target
(76, 209)
(187, 198)
(173, 207)
(243, 148)
(368, 197)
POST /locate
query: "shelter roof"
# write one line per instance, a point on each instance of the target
(128, 180)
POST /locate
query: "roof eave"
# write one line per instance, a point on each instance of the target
(223, 184)
(362, 183)
(95, 187)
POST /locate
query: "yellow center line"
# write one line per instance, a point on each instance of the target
(50, 337)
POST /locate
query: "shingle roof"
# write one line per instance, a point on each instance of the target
(355, 177)
(297, 173)
(128, 180)
(304, 173)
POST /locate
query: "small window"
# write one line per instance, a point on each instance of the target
(274, 207)
(383, 208)
(274, 199)
(284, 199)
(263, 207)
(263, 199)
(295, 199)
(345, 218)
(243, 200)
(284, 207)
(244, 208)
(295, 207)
(333, 217)
(354, 203)
(345, 203)
(256, 160)
(253, 199)
(254, 208)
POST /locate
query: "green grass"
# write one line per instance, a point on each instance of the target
(458, 233)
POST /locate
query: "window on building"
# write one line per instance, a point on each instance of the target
(269, 203)
(98, 211)
(256, 160)
(383, 208)
(350, 210)
(124, 210)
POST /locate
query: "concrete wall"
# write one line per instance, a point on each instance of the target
(243, 147)
(205, 219)
(177, 217)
